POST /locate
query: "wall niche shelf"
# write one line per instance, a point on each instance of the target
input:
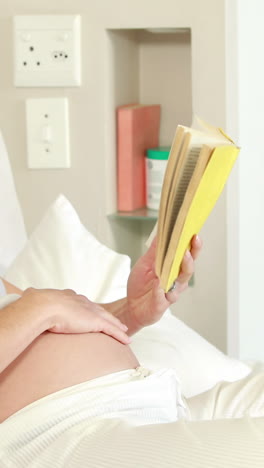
(148, 66)
(142, 214)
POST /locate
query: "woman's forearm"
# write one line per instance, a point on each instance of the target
(58, 311)
(19, 326)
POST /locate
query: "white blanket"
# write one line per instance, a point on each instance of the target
(133, 418)
(115, 444)
(136, 396)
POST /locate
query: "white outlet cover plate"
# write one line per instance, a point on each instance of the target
(47, 123)
(47, 50)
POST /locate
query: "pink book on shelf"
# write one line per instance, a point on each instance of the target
(137, 130)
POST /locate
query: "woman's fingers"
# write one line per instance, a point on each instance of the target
(196, 246)
(113, 330)
(186, 271)
(112, 319)
(178, 287)
(113, 326)
(187, 268)
(98, 309)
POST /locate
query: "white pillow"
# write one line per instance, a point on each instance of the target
(12, 233)
(61, 253)
(199, 364)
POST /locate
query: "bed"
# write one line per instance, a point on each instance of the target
(60, 253)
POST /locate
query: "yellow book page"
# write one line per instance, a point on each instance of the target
(179, 188)
(177, 227)
(185, 152)
(166, 187)
(208, 192)
(170, 214)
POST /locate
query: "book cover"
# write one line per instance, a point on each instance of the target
(199, 165)
(137, 130)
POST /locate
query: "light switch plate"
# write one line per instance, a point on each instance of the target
(47, 50)
(47, 123)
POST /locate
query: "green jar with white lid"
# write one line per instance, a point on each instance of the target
(156, 162)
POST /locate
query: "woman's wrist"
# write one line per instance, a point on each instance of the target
(40, 316)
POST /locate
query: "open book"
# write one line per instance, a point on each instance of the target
(198, 167)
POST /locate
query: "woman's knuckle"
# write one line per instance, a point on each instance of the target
(69, 291)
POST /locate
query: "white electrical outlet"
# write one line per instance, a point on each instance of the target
(47, 50)
(47, 133)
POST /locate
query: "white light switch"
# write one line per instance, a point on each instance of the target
(47, 133)
(47, 50)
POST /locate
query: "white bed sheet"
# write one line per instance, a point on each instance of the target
(129, 417)
(233, 443)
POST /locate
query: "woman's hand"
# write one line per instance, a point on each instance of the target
(146, 300)
(68, 312)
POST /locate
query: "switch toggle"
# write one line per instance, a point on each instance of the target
(47, 133)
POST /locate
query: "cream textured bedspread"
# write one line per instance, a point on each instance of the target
(218, 444)
(232, 443)
(129, 419)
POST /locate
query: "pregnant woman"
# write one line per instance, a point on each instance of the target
(51, 340)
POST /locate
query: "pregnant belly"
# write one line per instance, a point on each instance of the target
(55, 361)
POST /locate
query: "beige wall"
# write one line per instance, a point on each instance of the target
(90, 180)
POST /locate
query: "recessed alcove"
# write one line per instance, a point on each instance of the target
(146, 66)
